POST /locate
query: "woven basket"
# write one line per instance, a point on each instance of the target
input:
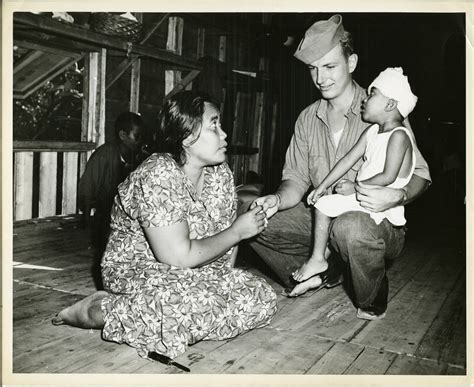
(115, 25)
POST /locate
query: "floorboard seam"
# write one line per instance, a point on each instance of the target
(44, 287)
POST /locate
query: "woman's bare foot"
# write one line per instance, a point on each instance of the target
(303, 287)
(86, 313)
(310, 268)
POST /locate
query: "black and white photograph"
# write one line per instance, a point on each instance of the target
(266, 193)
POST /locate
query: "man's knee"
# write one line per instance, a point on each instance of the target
(349, 226)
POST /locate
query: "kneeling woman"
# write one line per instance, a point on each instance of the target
(168, 266)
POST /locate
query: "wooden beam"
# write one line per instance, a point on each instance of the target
(181, 85)
(126, 63)
(46, 24)
(23, 186)
(52, 146)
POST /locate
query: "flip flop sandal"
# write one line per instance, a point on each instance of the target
(327, 282)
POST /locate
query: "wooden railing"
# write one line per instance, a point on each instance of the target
(45, 177)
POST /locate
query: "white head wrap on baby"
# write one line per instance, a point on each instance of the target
(393, 84)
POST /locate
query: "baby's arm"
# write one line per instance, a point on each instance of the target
(396, 150)
(341, 167)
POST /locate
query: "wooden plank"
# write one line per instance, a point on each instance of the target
(337, 359)
(47, 184)
(412, 310)
(256, 136)
(454, 370)
(46, 24)
(201, 41)
(100, 99)
(445, 339)
(69, 198)
(135, 87)
(23, 188)
(174, 43)
(222, 48)
(408, 365)
(52, 146)
(371, 361)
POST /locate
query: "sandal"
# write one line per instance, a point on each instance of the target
(329, 279)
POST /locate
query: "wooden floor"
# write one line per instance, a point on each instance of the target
(424, 332)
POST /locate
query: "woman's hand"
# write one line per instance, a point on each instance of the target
(344, 187)
(315, 195)
(269, 204)
(250, 223)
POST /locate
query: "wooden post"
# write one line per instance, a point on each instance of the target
(69, 183)
(47, 184)
(135, 78)
(93, 103)
(23, 188)
(135, 87)
(174, 43)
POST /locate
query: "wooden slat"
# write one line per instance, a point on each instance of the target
(201, 41)
(174, 43)
(69, 198)
(47, 184)
(100, 99)
(135, 87)
(256, 138)
(52, 146)
(222, 48)
(23, 189)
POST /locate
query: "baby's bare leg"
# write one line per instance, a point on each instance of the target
(317, 262)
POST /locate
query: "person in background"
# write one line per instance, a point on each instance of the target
(325, 131)
(108, 166)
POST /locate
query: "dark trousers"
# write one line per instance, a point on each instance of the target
(362, 244)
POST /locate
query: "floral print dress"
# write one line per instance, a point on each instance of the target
(154, 306)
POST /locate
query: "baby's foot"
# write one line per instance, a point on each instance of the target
(310, 268)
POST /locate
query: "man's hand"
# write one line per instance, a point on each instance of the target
(269, 203)
(377, 198)
(344, 187)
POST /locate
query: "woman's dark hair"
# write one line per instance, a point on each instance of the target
(180, 116)
(126, 122)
